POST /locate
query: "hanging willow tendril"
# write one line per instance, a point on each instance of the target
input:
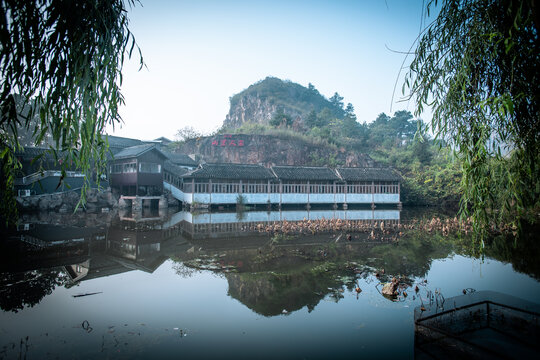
(63, 60)
(477, 65)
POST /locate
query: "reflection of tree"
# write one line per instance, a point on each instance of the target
(269, 293)
(522, 254)
(19, 290)
(289, 278)
(280, 276)
(184, 271)
(413, 255)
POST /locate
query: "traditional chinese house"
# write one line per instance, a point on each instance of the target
(138, 171)
(231, 184)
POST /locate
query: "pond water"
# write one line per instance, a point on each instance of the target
(174, 285)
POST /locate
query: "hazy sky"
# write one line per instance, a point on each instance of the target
(199, 53)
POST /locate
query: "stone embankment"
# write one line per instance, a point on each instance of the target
(67, 201)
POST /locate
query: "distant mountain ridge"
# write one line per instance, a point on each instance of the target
(262, 100)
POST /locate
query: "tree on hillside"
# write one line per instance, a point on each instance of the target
(403, 125)
(312, 89)
(324, 117)
(392, 131)
(337, 101)
(281, 119)
(188, 132)
(478, 66)
(349, 111)
(68, 56)
(311, 119)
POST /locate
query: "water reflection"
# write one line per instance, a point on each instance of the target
(274, 276)
(77, 252)
(203, 225)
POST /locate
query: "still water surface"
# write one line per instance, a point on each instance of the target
(205, 286)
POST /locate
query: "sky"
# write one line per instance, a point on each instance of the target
(200, 53)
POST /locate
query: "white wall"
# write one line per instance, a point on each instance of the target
(222, 198)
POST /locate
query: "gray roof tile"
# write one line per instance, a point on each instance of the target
(122, 142)
(180, 159)
(173, 168)
(305, 173)
(231, 172)
(368, 174)
(138, 150)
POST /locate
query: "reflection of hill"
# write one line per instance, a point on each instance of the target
(269, 294)
(290, 275)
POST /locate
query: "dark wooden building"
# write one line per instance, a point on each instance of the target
(138, 171)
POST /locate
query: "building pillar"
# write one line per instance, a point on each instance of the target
(280, 193)
(123, 203)
(162, 202)
(345, 192)
(373, 195)
(268, 191)
(136, 203)
(210, 191)
(308, 192)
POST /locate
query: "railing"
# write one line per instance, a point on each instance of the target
(41, 175)
(273, 188)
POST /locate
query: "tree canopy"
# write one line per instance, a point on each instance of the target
(477, 65)
(65, 59)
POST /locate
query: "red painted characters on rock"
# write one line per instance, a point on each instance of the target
(227, 141)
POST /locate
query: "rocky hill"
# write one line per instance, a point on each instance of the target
(262, 100)
(270, 150)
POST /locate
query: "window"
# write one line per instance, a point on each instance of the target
(130, 168)
(116, 168)
(152, 168)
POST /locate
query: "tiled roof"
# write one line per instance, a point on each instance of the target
(31, 152)
(181, 159)
(368, 174)
(305, 173)
(231, 172)
(117, 142)
(135, 151)
(163, 140)
(174, 169)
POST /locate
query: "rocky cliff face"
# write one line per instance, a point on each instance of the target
(269, 150)
(254, 109)
(262, 100)
(249, 109)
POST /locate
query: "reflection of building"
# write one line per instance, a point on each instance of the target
(127, 248)
(213, 224)
(49, 246)
(232, 184)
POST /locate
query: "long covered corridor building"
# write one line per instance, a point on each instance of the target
(231, 184)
